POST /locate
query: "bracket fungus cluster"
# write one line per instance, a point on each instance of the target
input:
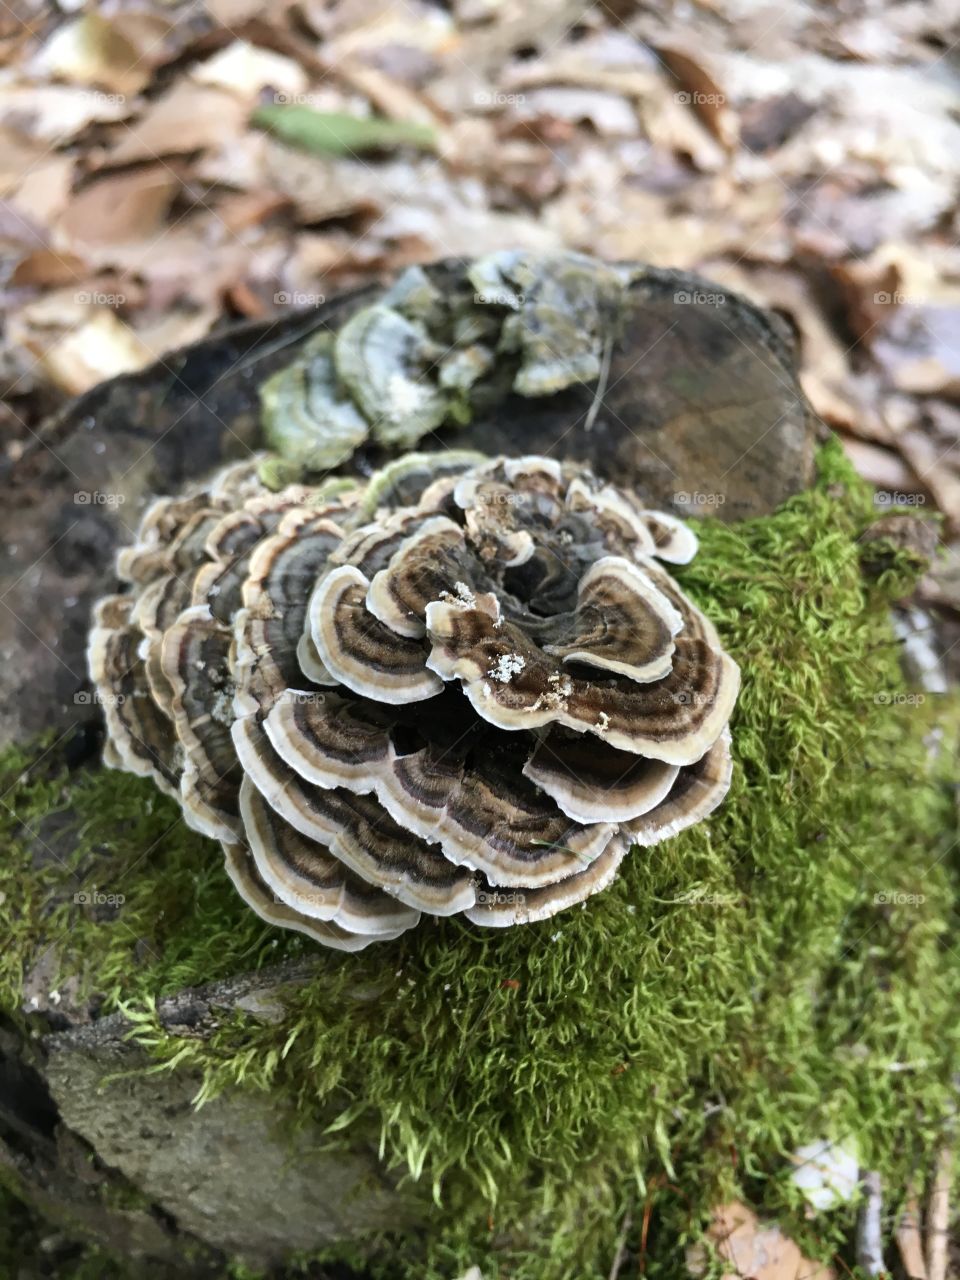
(421, 356)
(466, 685)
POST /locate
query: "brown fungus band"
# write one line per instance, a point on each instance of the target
(467, 685)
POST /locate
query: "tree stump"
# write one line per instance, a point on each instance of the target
(702, 413)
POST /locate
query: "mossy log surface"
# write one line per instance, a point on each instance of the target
(458, 1098)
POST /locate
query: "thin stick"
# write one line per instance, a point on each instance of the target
(938, 1215)
(869, 1233)
(620, 1254)
(909, 1239)
(601, 385)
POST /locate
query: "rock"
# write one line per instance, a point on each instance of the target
(231, 1179)
(227, 1173)
(69, 1189)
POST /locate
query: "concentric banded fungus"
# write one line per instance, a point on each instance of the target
(466, 686)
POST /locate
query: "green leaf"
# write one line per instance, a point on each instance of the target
(333, 133)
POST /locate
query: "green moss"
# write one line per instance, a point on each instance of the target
(765, 979)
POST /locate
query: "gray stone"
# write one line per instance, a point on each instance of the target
(228, 1173)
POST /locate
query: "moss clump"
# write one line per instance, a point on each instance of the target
(779, 974)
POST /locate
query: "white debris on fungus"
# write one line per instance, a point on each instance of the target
(506, 667)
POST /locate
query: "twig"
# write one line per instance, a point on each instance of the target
(647, 1210)
(938, 1215)
(621, 1250)
(909, 1239)
(601, 385)
(869, 1233)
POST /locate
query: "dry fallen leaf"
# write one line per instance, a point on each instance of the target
(189, 117)
(391, 97)
(56, 113)
(92, 51)
(99, 348)
(920, 350)
(699, 90)
(18, 157)
(754, 1248)
(44, 189)
(118, 209)
(47, 268)
(176, 328)
(244, 70)
(610, 114)
(881, 467)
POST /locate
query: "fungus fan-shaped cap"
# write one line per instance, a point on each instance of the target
(356, 828)
(360, 650)
(240, 867)
(501, 907)
(307, 877)
(141, 737)
(697, 791)
(514, 685)
(594, 782)
(195, 659)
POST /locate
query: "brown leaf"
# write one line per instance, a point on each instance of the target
(699, 90)
(240, 210)
(244, 70)
(392, 98)
(119, 209)
(99, 348)
(17, 157)
(880, 467)
(190, 117)
(92, 50)
(56, 113)
(758, 1249)
(920, 349)
(176, 328)
(45, 189)
(610, 114)
(45, 267)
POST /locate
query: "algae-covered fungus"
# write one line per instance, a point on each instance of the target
(468, 686)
